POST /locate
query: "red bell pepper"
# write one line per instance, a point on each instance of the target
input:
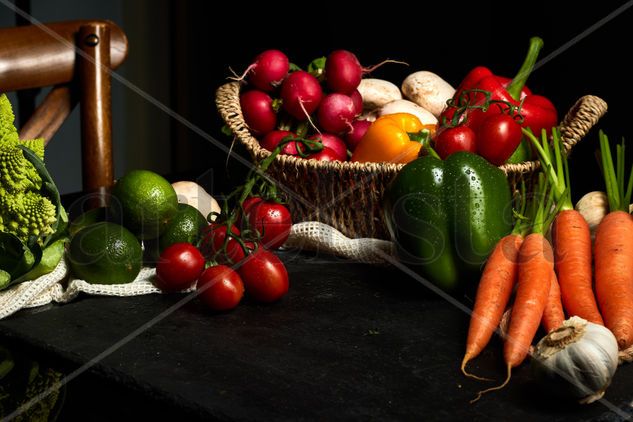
(486, 94)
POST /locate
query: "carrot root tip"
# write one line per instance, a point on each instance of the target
(499, 387)
(468, 374)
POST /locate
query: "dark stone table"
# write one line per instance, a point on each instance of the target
(349, 341)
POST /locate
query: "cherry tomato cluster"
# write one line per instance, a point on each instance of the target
(492, 131)
(236, 261)
(320, 104)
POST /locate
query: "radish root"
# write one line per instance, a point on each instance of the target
(308, 116)
(238, 78)
(376, 66)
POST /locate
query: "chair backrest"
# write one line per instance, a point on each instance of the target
(75, 58)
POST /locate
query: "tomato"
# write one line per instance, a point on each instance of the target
(213, 240)
(272, 220)
(498, 137)
(264, 275)
(178, 267)
(458, 138)
(220, 288)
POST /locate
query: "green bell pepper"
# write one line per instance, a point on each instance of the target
(447, 216)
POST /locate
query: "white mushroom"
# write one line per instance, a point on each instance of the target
(428, 90)
(377, 92)
(405, 106)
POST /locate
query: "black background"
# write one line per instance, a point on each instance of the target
(447, 38)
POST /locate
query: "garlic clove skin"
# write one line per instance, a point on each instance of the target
(195, 195)
(577, 360)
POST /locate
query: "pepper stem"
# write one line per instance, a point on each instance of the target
(517, 84)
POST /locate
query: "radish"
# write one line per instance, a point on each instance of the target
(336, 113)
(268, 70)
(326, 154)
(332, 142)
(301, 94)
(357, 98)
(343, 72)
(352, 138)
(257, 107)
(272, 139)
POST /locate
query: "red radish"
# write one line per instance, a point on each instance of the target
(336, 113)
(353, 137)
(257, 107)
(272, 139)
(332, 142)
(343, 72)
(301, 94)
(326, 154)
(268, 70)
(357, 98)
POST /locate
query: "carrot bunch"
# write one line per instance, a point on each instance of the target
(552, 280)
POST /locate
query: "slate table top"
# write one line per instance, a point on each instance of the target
(349, 341)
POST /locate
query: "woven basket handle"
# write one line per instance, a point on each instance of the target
(581, 118)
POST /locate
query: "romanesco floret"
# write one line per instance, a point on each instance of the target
(23, 210)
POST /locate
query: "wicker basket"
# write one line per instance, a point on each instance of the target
(348, 196)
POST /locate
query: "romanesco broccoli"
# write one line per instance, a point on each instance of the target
(23, 210)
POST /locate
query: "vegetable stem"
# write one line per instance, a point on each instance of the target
(618, 195)
(517, 84)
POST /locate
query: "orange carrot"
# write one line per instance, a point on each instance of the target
(613, 248)
(536, 265)
(572, 248)
(553, 315)
(614, 274)
(493, 294)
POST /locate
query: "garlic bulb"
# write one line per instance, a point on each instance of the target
(577, 360)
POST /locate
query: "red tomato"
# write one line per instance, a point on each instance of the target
(272, 221)
(450, 140)
(264, 275)
(220, 288)
(497, 138)
(213, 239)
(178, 267)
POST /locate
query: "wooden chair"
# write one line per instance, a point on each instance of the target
(74, 58)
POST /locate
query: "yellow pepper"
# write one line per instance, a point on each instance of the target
(389, 139)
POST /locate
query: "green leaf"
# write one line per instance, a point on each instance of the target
(317, 66)
(51, 255)
(5, 279)
(293, 67)
(15, 256)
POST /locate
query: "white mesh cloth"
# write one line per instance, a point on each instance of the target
(60, 286)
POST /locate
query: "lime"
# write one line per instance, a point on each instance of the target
(185, 226)
(144, 202)
(92, 216)
(105, 253)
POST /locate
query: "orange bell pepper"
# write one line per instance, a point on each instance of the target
(393, 138)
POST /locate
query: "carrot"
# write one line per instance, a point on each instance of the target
(536, 265)
(572, 247)
(570, 233)
(613, 249)
(493, 294)
(614, 274)
(553, 315)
